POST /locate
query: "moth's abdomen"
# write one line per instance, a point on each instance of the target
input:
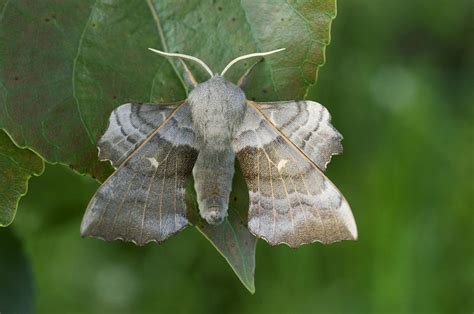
(213, 173)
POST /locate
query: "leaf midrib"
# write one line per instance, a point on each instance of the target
(159, 28)
(81, 39)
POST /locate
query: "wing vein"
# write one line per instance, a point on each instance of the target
(288, 199)
(175, 192)
(307, 190)
(146, 202)
(121, 203)
(163, 187)
(258, 187)
(102, 214)
(134, 206)
(271, 186)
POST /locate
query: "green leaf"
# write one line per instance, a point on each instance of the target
(231, 238)
(16, 167)
(65, 65)
(38, 43)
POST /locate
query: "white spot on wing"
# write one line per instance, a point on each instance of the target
(281, 164)
(153, 162)
(272, 118)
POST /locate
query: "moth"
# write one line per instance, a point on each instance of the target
(283, 148)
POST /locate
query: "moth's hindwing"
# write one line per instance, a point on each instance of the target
(143, 200)
(291, 201)
(129, 125)
(306, 124)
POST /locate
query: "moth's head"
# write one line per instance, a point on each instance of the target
(216, 90)
(215, 75)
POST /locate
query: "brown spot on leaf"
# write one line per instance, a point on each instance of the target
(219, 8)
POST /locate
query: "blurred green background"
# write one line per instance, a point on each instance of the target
(399, 84)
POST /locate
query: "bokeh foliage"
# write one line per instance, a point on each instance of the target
(398, 82)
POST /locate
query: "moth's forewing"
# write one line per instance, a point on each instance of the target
(129, 125)
(307, 124)
(143, 200)
(291, 201)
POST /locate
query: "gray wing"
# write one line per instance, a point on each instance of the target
(291, 201)
(143, 200)
(308, 125)
(129, 125)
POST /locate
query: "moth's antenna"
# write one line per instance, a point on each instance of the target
(257, 54)
(179, 55)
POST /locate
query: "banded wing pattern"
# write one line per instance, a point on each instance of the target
(143, 200)
(129, 125)
(308, 125)
(291, 201)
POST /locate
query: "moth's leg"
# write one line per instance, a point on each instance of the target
(244, 78)
(189, 78)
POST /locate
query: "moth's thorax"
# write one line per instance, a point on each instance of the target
(217, 111)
